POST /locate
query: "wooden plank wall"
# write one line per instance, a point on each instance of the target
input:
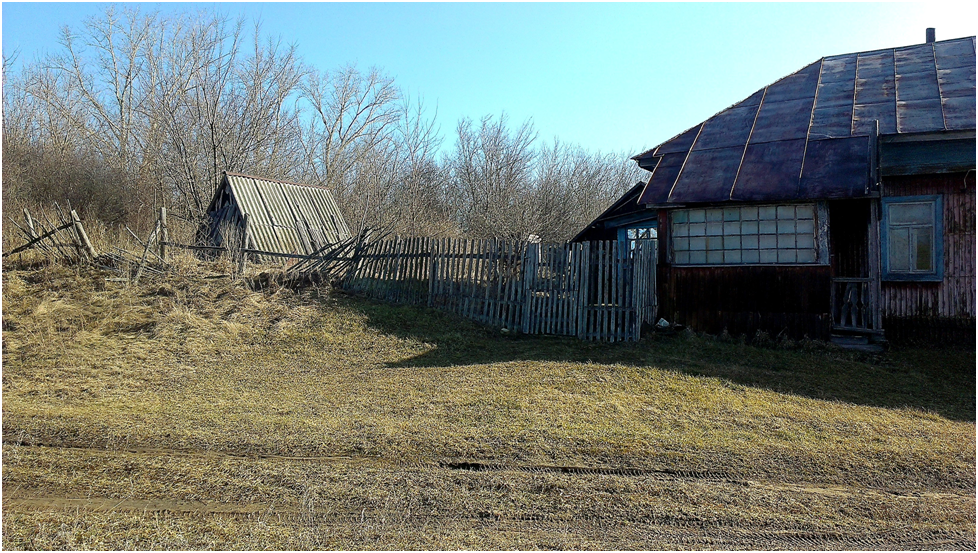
(592, 290)
(937, 312)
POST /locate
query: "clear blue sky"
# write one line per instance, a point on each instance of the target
(610, 77)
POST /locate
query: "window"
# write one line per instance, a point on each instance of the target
(740, 235)
(912, 238)
(647, 230)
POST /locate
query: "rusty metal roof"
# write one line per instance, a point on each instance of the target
(286, 217)
(812, 133)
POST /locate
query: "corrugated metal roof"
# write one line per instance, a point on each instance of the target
(285, 217)
(811, 134)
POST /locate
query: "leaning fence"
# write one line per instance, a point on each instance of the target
(592, 290)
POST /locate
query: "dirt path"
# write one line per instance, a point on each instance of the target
(652, 522)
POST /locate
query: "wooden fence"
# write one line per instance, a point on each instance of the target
(595, 291)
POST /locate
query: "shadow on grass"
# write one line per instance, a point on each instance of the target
(939, 381)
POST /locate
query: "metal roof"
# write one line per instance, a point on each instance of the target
(285, 217)
(812, 133)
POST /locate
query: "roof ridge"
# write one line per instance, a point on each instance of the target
(280, 181)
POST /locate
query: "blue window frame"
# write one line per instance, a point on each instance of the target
(912, 238)
(644, 230)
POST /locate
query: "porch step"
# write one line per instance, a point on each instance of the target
(872, 343)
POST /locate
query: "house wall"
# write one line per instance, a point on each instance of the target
(937, 311)
(790, 300)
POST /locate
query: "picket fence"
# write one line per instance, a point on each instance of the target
(593, 290)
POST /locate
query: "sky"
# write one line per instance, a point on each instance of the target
(610, 77)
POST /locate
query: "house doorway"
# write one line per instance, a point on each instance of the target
(854, 246)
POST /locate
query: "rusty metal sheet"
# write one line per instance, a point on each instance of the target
(731, 127)
(955, 53)
(787, 120)
(875, 90)
(679, 143)
(798, 85)
(831, 122)
(914, 59)
(957, 81)
(920, 115)
(874, 64)
(917, 86)
(836, 168)
(839, 69)
(707, 175)
(840, 93)
(864, 117)
(662, 179)
(770, 171)
(959, 113)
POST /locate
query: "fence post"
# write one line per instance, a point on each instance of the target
(164, 234)
(82, 235)
(584, 282)
(432, 270)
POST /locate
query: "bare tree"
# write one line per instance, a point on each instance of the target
(491, 170)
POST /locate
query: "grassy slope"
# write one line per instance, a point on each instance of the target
(208, 366)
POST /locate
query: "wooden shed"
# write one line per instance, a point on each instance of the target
(837, 202)
(282, 217)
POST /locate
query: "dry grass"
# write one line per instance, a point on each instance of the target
(185, 388)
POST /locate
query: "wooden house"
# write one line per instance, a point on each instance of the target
(837, 202)
(282, 217)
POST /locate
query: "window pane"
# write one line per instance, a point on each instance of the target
(731, 242)
(748, 227)
(768, 241)
(805, 212)
(714, 242)
(786, 240)
(806, 256)
(767, 213)
(807, 227)
(786, 226)
(715, 215)
(899, 249)
(750, 256)
(714, 228)
(749, 242)
(769, 256)
(731, 228)
(682, 257)
(925, 250)
(697, 243)
(786, 212)
(631, 233)
(805, 241)
(697, 257)
(680, 216)
(911, 213)
(787, 256)
(697, 229)
(697, 216)
(768, 227)
(714, 257)
(731, 214)
(748, 214)
(680, 244)
(731, 256)
(680, 229)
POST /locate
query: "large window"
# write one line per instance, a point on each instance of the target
(912, 238)
(766, 234)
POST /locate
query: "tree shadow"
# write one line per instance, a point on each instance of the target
(939, 381)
